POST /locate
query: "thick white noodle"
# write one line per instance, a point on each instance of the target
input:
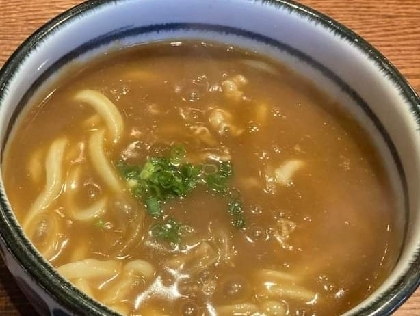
(266, 308)
(46, 232)
(54, 181)
(119, 291)
(243, 309)
(76, 153)
(87, 214)
(84, 286)
(139, 268)
(280, 285)
(132, 271)
(90, 269)
(286, 290)
(196, 260)
(273, 308)
(80, 251)
(95, 210)
(92, 122)
(269, 275)
(35, 165)
(100, 162)
(106, 109)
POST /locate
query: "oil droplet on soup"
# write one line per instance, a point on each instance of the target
(202, 180)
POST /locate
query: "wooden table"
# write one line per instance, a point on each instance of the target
(393, 26)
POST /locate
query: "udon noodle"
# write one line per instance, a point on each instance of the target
(198, 179)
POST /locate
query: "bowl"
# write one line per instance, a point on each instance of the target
(332, 56)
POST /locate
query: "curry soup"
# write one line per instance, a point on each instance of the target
(199, 179)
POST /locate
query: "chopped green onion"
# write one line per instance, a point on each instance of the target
(169, 231)
(218, 180)
(129, 172)
(148, 170)
(236, 211)
(163, 178)
(153, 206)
(160, 179)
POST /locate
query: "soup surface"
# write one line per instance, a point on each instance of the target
(192, 178)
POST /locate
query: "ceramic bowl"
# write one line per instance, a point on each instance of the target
(335, 58)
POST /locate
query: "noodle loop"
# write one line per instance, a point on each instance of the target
(106, 109)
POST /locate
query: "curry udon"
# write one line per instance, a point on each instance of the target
(199, 179)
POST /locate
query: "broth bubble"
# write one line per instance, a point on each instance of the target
(236, 288)
(190, 308)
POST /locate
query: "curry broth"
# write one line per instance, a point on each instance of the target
(327, 226)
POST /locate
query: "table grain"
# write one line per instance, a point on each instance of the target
(392, 26)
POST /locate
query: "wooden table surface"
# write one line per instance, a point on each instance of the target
(392, 26)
